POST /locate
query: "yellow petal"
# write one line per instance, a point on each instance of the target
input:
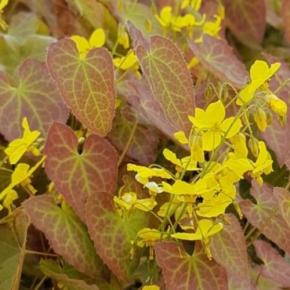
(123, 37)
(231, 126)
(216, 112)
(181, 137)
(165, 16)
(184, 188)
(126, 62)
(98, 38)
(240, 146)
(81, 43)
(151, 287)
(3, 4)
(211, 140)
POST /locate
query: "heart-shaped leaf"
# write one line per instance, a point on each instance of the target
(265, 215)
(77, 175)
(86, 84)
(218, 57)
(33, 95)
(229, 250)
(66, 234)
(275, 266)
(282, 197)
(168, 78)
(247, 20)
(182, 271)
(112, 234)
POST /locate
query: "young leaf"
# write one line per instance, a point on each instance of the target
(112, 234)
(86, 84)
(247, 20)
(51, 269)
(144, 141)
(77, 175)
(66, 234)
(12, 251)
(33, 95)
(266, 217)
(185, 272)
(282, 197)
(168, 78)
(275, 267)
(230, 251)
(218, 57)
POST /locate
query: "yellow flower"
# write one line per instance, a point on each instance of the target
(263, 164)
(126, 62)
(97, 39)
(205, 229)
(195, 4)
(165, 17)
(214, 126)
(129, 200)
(123, 37)
(21, 175)
(151, 287)
(148, 237)
(17, 148)
(239, 145)
(144, 173)
(180, 187)
(261, 119)
(277, 105)
(185, 163)
(181, 138)
(260, 73)
(3, 4)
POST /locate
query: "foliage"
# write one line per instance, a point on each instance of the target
(144, 144)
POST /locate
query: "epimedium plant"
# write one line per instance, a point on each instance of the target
(145, 145)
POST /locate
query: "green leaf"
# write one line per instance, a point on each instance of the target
(218, 57)
(144, 143)
(87, 85)
(12, 251)
(168, 78)
(66, 234)
(78, 175)
(247, 20)
(230, 251)
(112, 234)
(51, 269)
(265, 215)
(182, 271)
(31, 94)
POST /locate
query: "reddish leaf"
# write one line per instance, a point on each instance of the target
(87, 85)
(282, 196)
(286, 18)
(275, 267)
(265, 215)
(144, 141)
(184, 272)
(79, 175)
(246, 19)
(218, 57)
(112, 234)
(261, 282)
(33, 95)
(230, 251)
(168, 78)
(65, 233)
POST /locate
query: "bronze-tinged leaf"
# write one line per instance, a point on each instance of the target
(77, 175)
(247, 20)
(87, 85)
(66, 234)
(265, 215)
(218, 57)
(168, 78)
(275, 266)
(282, 197)
(12, 251)
(51, 269)
(260, 282)
(286, 18)
(230, 251)
(31, 94)
(144, 141)
(112, 234)
(182, 271)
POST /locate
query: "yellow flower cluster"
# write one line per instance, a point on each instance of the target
(21, 176)
(195, 195)
(181, 19)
